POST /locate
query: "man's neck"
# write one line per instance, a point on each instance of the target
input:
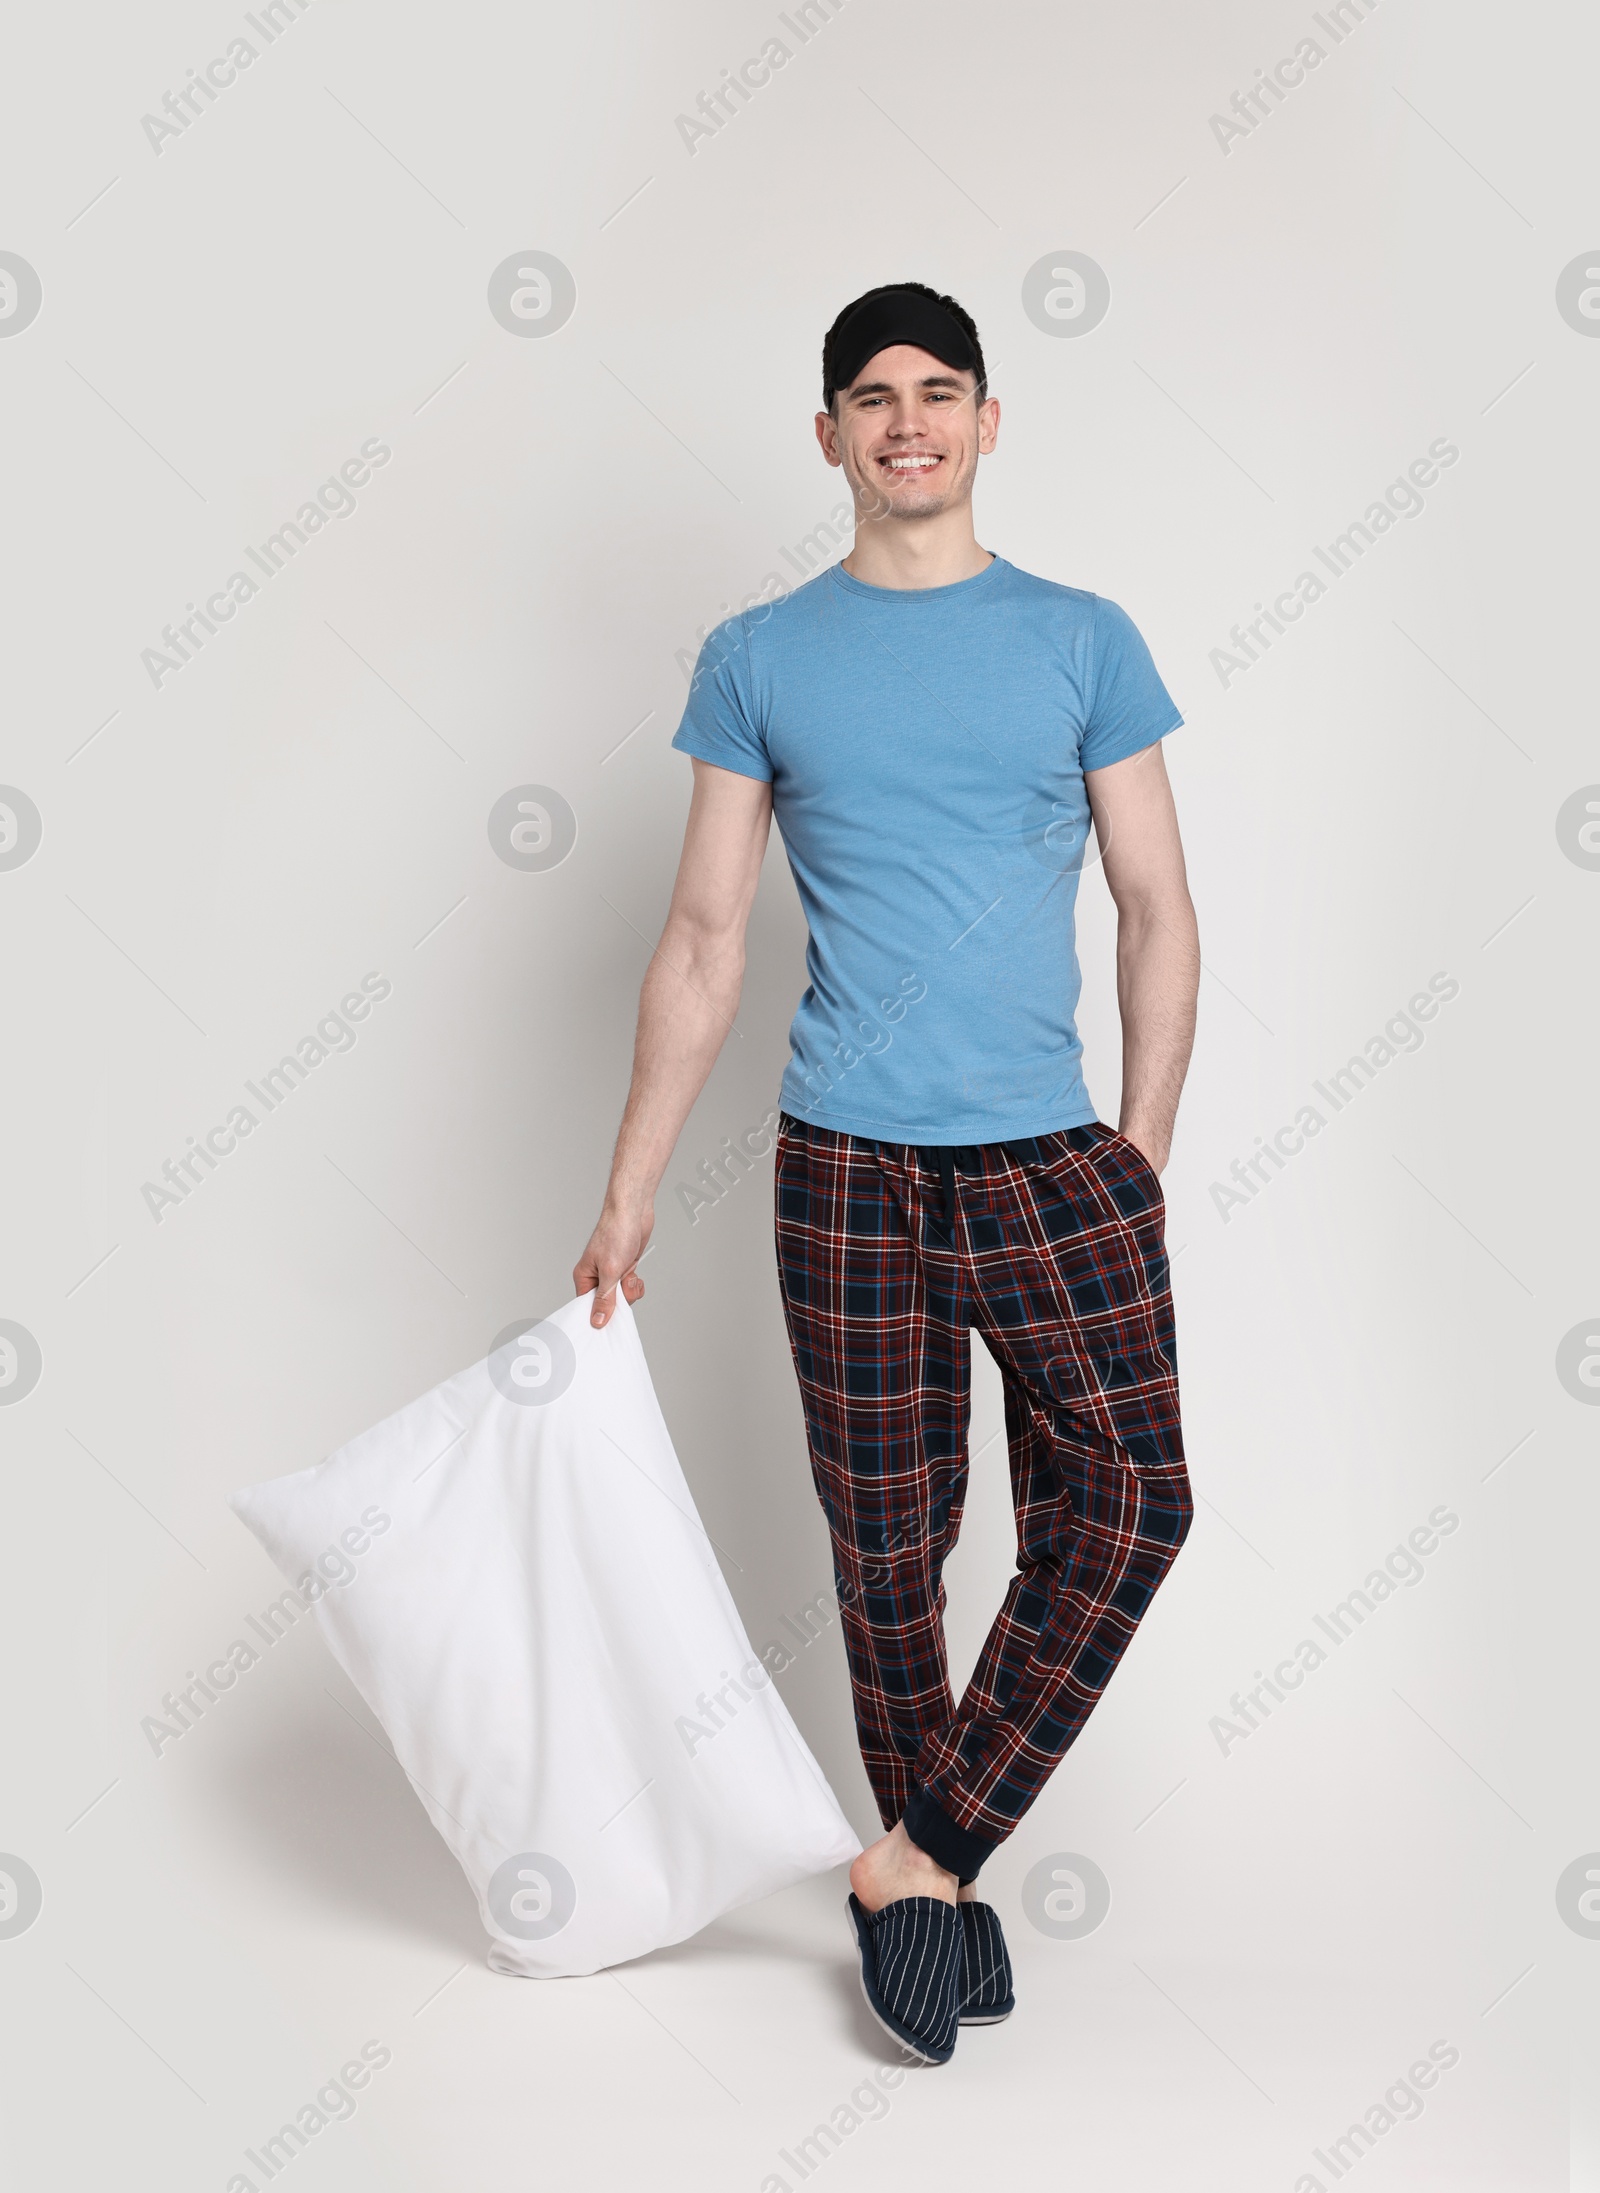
(907, 554)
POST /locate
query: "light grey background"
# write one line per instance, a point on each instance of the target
(1292, 322)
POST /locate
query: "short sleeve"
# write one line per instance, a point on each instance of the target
(1130, 708)
(719, 721)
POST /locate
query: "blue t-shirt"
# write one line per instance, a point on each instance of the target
(926, 750)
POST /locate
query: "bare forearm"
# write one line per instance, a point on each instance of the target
(686, 1009)
(1158, 976)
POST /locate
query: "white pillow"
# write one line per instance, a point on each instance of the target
(512, 1573)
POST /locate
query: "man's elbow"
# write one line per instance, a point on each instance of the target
(714, 946)
(1154, 904)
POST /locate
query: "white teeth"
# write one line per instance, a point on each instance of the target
(912, 464)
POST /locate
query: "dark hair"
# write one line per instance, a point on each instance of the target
(958, 313)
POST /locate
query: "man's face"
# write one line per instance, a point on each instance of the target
(908, 434)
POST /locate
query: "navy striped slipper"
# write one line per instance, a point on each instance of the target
(986, 1990)
(911, 1972)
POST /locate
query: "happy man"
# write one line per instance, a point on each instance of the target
(934, 730)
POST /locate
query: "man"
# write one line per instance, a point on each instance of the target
(933, 730)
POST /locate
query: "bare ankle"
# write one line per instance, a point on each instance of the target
(894, 1867)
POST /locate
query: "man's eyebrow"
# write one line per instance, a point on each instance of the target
(887, 388)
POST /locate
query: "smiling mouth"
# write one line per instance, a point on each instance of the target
(915, 464)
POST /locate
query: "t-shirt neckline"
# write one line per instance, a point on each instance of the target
(843, 578)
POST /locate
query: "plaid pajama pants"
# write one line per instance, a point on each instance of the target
(887, 1255)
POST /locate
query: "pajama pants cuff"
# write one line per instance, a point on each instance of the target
(956, 1848)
